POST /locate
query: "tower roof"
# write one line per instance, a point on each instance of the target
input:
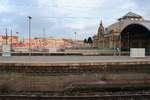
(131, 15)
(101, 29)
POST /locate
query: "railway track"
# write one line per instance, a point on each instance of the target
(141, 68)
(73, 89)
(105, 97)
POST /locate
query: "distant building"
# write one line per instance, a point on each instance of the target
(13, 39)
(44, 44)
(38, 44)
(131, 31)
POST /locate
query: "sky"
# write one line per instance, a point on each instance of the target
(62, 18)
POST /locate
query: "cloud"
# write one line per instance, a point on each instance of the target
(61, 18)
(4, 6)
(80, 25)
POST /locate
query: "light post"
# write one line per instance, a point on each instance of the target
(29, 17)
(75, 33)
(44, 38)
(55, 43)
(18, 37)
(11, 39)
(6, 36)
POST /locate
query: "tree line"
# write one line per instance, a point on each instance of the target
(88, 41)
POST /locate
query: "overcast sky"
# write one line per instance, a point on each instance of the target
(61, 18)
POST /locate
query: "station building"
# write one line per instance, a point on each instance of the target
(130, 31)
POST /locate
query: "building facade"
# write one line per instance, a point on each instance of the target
(8, 39)
(130, 31)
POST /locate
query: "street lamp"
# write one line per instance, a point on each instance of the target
(44, 38)
(29, 17)
(17, 33)
(75, 33)
(11, 39)
(6, 36)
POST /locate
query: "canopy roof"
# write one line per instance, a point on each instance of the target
(131, 15)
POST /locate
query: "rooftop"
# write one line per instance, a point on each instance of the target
(131, 15)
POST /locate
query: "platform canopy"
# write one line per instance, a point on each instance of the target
(128, 19)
